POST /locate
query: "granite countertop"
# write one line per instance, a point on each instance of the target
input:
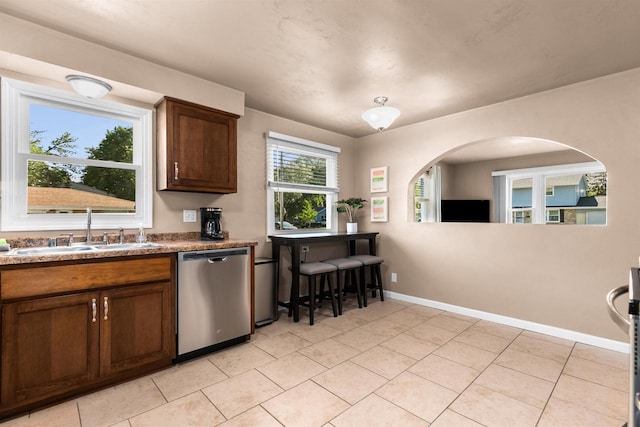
(169, 243)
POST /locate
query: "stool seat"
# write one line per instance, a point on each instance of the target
(311, 268)
(368, 259)
(349, 266)
(344, 263)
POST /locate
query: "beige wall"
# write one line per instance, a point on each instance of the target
(557, 276)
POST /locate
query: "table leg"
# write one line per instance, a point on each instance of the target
(372, 245)
(275, 254)
(295, 281)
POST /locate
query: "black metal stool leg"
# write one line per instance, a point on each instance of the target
(312, 297)
(339, 292)
(379, 276)
(363, 285)
(321, 290)
(352, 274)
(332, 292)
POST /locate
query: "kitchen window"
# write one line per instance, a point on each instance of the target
(302, 185)
(62, 154)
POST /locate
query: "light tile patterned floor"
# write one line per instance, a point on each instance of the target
(391, 364)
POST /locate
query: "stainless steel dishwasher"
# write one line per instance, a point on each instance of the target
(214, 300)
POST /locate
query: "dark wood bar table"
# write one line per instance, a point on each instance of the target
(295, 241)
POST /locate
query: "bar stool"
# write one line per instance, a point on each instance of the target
(312, 270)
(373, 262)
(349, 267)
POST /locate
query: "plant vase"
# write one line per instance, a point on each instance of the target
(350, 207)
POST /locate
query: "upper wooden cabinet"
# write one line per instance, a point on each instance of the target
(197, 148)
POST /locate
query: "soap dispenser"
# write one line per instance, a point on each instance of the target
(141, 237)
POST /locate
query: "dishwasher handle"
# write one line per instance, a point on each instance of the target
(217, 255)
(217, 259)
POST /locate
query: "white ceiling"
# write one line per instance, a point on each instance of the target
(322, 62)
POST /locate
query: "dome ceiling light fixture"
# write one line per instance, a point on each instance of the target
(380, 117)
(88, 86)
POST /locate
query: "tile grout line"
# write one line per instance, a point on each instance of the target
(363, 367)
(453, 361)
(387, 380)
(475, 379)
(555, 384)
(349, 405)
(374, 391)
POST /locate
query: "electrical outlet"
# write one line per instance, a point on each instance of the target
(305, 249)
(189, 215)
(394, 277)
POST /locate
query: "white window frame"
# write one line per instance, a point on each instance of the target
(548, 215)
(539, 175)
(519, 214)
(15, 98)
(331, 190)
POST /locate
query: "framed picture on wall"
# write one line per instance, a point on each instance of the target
(379, 209)
(379, 180)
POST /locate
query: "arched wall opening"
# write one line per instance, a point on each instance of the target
(514, 180)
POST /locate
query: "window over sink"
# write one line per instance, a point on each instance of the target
(62, 153)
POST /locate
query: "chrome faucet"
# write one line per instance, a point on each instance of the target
(89, 238)
(121, 235)
(69, 237)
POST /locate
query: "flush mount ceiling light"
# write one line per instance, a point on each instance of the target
(88, 86)
(380, 117)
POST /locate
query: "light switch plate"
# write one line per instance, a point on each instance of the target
(189, 215)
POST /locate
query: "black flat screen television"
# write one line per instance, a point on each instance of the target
(465, 211)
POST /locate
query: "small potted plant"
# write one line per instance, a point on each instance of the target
(351, 207)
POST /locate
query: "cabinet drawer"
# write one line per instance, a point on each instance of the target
(55, 279)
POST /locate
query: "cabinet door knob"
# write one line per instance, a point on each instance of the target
(94, 309)
(106, 308)
(175, 170)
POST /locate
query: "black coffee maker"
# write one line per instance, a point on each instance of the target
(211, 226)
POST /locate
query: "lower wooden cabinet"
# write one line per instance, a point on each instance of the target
(57, 346)
(49, 347)
(136, 328)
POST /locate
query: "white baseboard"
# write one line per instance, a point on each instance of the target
(608, 344)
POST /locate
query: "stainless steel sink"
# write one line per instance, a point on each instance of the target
(126, 246)
(50, 250)
(82, 248)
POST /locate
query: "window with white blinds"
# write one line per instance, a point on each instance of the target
(302, 184)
